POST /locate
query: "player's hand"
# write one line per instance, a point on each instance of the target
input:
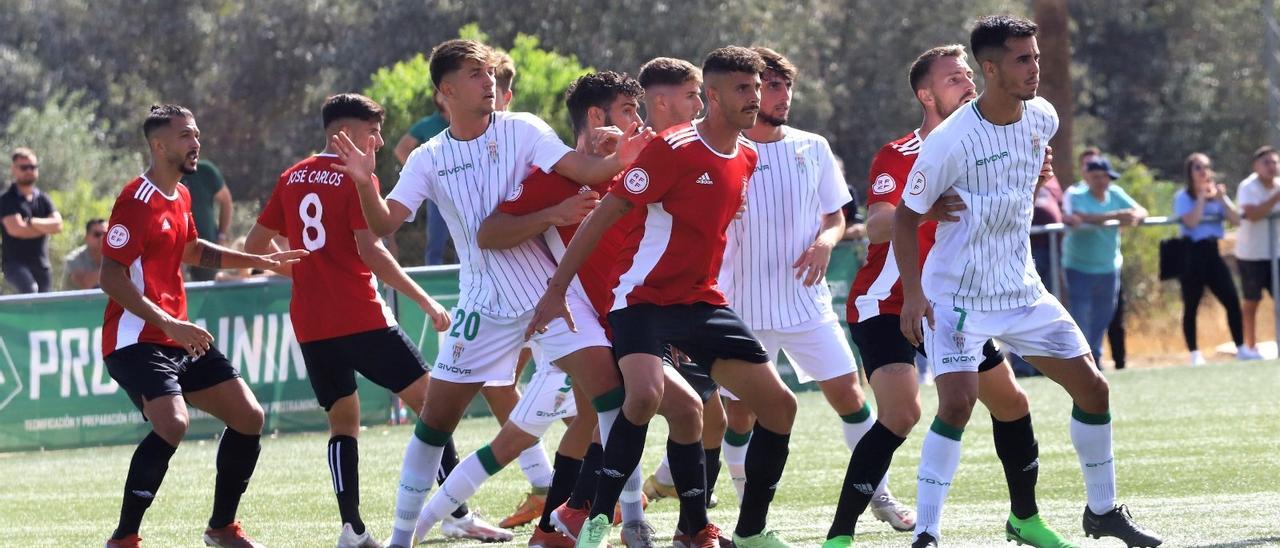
(604, 140)
(812, 264)
(440, 319)
(279, 259)
(914, 308)
(574, 208)
(942, 209)
(552, 305)
(191, 337)
(632, 142)
(357, 163)
(1046, 170)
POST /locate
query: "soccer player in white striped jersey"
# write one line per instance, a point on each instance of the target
(979, 282)
(467, 171)
(775, 267)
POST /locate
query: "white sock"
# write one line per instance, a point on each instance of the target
(537, 469)
(462, 484)
(939, 459)
(417, 474)
(630, 498)
(663, 473)
(853, 432)
(606, 419)
(735, 459)
(1093, 446)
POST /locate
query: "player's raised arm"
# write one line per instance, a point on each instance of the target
(552, 305)
(383, 216)
(591, 170)
(261, 241)
(210, 255)
(502, 230)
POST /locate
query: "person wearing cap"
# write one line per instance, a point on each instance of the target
(1258, 197)
(1091, 252)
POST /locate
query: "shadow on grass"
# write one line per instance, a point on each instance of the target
(1242, 543)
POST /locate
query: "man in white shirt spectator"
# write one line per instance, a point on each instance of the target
(1259, 196)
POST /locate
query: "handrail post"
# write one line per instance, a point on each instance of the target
(1055, 265)
(1275, 273)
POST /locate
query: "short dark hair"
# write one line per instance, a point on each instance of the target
(351, 105)
(990, 33)
(449, 56)
(1089, 151)
(1263, 151)
(89, 225)
(920, 67)
(161, 116)
(732, 59)
(504, 70)
(597, 89)
(667, 71)
(775, 62)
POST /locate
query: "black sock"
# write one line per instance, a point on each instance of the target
(689, 474)
(448, 460)
(588, 476)
(766, 457)
(867, 466)
(146, 472)
(1020, 455)
(621, 455)
(344, 469)
(563, 479)
(237, 457)
(712, 457)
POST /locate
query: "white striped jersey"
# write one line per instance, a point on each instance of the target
(796, 182)
(983, 261)
(467, 180)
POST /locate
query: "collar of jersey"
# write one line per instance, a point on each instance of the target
(493, 116)
(694, 124)
(166, 196)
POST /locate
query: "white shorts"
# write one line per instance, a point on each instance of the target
(546, 399)
(483, 349)
(817, 350)
(1042, 329)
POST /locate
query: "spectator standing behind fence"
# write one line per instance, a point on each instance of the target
(1115, 330)
(1091, 252)
(1258, 197)
(29, 217)
(1202, 208)
(80, 267)
(208, 189)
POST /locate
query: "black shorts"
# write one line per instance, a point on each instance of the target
(385, 356)
(1254, 277)
(148, 371)
(705, 332)
(880, 343)
(697, 376)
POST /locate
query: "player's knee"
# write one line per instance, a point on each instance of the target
(643, 400)
(784, 406)
(251, 421)
(956, 409)
(900, 419)
(171, 427)
(1096, 394)
(684, 416)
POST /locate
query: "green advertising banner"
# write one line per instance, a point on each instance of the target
(55, 391)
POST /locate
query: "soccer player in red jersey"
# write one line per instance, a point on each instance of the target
(340, 320)
(163, 361)
(685, 188)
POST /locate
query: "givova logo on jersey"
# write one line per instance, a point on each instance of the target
(454, 170)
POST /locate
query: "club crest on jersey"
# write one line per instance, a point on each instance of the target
(1035, 143)
(560, 397)
(958, 338)
(493, 151)
(117, 236)
(884, 184)
(800, 162)
(457, 351)
(917, 183)
(704, 179)
(637, 180)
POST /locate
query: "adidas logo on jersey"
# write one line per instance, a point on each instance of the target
(705, 179)
(165, 225)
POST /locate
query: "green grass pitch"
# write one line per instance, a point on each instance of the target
(1197, 451)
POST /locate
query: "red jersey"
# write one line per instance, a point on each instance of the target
(877, 288)
(541, 190)
(148, 233)
(334, 293)
(685, 195)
